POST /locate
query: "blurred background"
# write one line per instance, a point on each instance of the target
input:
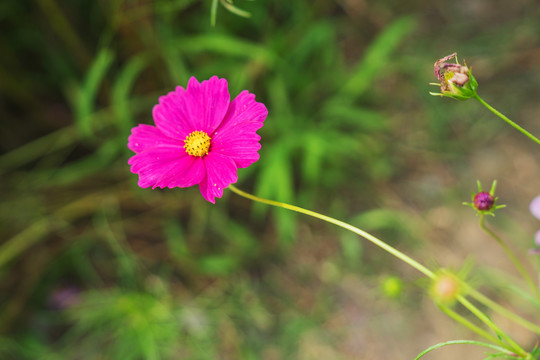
(93, 267)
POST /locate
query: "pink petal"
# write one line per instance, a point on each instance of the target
(188, 172)
(201, 107)
(167, 166)
(173, 115)
(237, 137)
(220, 173)
(144, 137)
(208, 102)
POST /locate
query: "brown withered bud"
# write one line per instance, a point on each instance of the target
(450, 73)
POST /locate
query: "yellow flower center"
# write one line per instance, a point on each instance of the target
(197, 143)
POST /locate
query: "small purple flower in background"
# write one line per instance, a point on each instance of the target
(201, 137)
(64, 297)
(534, 207)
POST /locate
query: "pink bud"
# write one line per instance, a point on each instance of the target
(483, 201)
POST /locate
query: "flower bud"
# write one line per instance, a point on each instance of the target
(445, 288)
(483, 201)
(456, 80)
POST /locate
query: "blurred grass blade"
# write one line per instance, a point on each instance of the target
(36, 149)
(171, 7)
(314, 146)
(218, 264)
(121, 92)
(276, 183)
(233, 9)
(61, 218)
(213, 13)
(84, 102)
(351, 248)
(226, 45)
(502, 351)
(377, 57)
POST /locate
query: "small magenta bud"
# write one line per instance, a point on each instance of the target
(483, 201)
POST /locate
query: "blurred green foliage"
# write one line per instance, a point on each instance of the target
(96, 268)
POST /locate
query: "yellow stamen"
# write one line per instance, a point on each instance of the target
(197, 143)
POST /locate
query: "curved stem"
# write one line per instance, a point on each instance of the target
(510, 122)
(510, 344)
(460, 342)
(484, 300)
(512, 257)
(486, 320)
(415, 264)
(460, 319)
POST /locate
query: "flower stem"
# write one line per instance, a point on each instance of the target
(512, 257)
(415, 264)
(513, 124)
(481, 298)
(460, 319)
(510, 344)
(486, 320)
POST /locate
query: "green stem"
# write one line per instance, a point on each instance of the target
(502, 351)
(510, 122)
(486, 320)
(481, 298)
(512, 257)
(213, 13)
(460, 319)
(415, 264)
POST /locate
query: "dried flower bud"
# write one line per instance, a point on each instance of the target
(483, 201)
(456, 80)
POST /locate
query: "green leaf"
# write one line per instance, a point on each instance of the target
(351, 247)
(377, 57)
(85, 98)
(213, 13)
(501, 350)
(226, 45)
(276, 183)
(218, 264)
(175, 239)
(314, 147)
(362, 119)
(121, 92)
(235, 10)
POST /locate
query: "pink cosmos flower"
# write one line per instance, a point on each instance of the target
(535, 207)
(200, 137)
